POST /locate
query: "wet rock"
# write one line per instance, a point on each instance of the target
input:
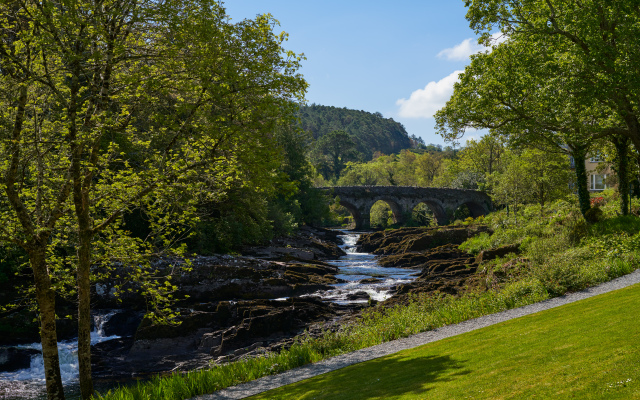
(234, 330)
(372, 242)
(307, 244)
(123, 323)
(13, 359)
(359, 295)
(444, 268)
(248, 328)
(216, 278)
(398, 241)
(370, 280)
(417, 260)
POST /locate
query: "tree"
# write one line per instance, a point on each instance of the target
(108, 107)
(361, 174)
(296, 195)
(590, 40)
(484, 155)
(529, 176)
(525, 91)
(406, 166)
(428, 166)
(334, 150)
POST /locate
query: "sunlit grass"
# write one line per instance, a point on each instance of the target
(585, 350)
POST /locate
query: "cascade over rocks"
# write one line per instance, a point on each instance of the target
(228, 313)
(434, 251)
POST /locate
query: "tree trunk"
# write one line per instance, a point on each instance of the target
(541, 194)
(579, 152)
(81, 202)
(622, 170)
(37, 250)
(46, 299)
(84, 316)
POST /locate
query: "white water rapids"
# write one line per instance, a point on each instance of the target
(29, 383)
(353, 268)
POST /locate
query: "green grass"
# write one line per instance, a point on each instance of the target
(560, 253)
(585, 350)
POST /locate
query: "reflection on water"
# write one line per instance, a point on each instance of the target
(354, 267)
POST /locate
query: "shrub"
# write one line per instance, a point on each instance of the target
(477, 243)
(593, 215)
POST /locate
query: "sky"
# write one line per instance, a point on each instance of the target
(400, 58)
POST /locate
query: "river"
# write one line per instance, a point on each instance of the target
(356, 267)
(29, 383)
(353, 269)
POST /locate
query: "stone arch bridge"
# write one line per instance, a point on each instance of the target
(402, 200)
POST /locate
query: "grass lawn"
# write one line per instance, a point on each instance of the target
(585, 350)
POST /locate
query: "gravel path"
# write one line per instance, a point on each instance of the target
(332, 364)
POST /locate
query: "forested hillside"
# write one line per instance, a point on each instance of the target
(371, 131)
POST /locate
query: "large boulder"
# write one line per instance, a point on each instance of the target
(14, 359)
(221, 332)
(122, 323)
(444, 270)
(308, 243)
(218, 278)
(416, 260)
(405, 240)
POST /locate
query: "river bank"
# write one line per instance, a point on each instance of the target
(244, 306)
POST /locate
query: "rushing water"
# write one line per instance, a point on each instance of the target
(29, 383)
(355, 267)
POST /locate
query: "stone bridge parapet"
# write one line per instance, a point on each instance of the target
(402, 200)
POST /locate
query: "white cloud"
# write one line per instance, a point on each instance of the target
(462, 51)
(423, 103)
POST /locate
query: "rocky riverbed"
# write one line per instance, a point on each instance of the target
(240, 306)
(443, 268)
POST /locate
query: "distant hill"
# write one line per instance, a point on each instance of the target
(372, 131)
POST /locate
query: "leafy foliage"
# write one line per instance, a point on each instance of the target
(131, 107)
(371, 132)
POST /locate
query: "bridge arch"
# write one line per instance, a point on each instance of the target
(358, 200)
(436, 208)
(355, 213)
(476, 208)
(396, 209)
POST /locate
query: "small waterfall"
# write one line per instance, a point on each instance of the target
(97, 334)
(29, 382)
(354, 267)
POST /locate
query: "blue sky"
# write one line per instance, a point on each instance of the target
(396, 57)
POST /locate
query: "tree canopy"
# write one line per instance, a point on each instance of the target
(113, 106)
(371, 132)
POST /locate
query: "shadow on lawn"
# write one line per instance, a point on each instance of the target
(385, 377)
